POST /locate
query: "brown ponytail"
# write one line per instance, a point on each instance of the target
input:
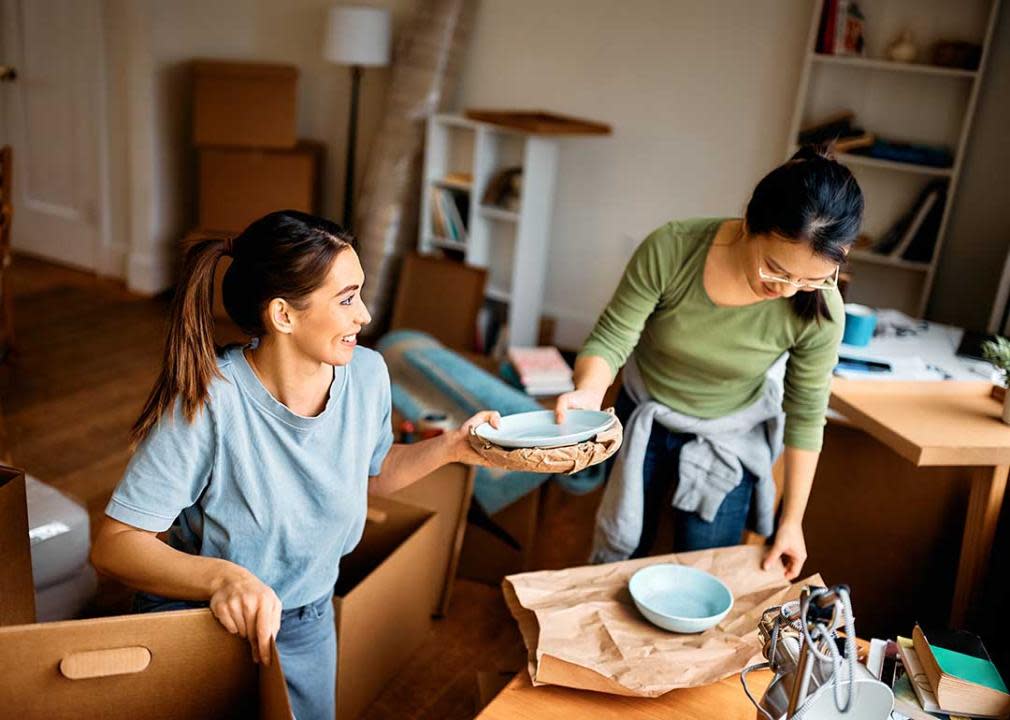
(285, 254)
(190, 361)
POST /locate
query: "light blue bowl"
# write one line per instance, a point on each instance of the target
(680, 598)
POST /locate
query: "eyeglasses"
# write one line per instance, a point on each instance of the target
(825, 284)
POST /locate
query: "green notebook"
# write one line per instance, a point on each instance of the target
(980, 671)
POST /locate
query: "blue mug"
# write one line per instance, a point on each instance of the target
(860, 322)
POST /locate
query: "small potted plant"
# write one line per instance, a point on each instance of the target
(997, 351)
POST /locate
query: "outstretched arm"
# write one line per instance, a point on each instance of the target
(406, 464)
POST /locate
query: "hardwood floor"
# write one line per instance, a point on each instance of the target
(88, 352)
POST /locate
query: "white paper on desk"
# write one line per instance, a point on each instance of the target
(582, 629)
(902, 368)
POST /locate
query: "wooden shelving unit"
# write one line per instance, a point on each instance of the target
(913, 102)
(513, 244)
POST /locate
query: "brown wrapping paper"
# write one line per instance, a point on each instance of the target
(554, 461)
(582, 629)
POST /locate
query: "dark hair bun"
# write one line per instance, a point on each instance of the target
(820, 151)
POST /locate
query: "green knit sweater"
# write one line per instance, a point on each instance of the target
(705, 360)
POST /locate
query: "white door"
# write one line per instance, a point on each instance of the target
(51, 115)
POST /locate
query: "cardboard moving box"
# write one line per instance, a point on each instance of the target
(239, 186)
(447, 492)
(239, 104)
(383, 601)
(17, 589)
(157, 666)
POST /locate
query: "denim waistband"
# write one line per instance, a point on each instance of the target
(310, 611)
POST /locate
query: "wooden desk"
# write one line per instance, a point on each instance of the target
(951, 424)
(725, 700)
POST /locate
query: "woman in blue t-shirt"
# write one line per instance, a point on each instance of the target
(258, 460)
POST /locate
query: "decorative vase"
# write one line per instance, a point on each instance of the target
(1006, 408)
(902, 49)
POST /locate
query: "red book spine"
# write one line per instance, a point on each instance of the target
(828, 42)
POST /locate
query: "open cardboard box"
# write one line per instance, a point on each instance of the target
(447, 492)
(17, 591)
(184, 664)
(158, 666)
(383, 601)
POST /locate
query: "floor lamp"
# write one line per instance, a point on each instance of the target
(358, 37)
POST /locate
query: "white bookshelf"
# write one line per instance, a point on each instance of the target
(914, 102)
(512, 244)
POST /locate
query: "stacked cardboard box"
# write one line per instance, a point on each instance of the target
(250, 159)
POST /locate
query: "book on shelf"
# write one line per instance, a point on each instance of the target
(913, 235)
(830, 128)
(449, 211)
(438, 222)
(961, 674)
(840, 29)
(492, 325)
(855, 141)
(848, 28)
(837, 129)
(826, 28)
(917, 223)
(937, 156)
(923, 244)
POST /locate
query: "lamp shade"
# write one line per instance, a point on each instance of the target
(357, 36)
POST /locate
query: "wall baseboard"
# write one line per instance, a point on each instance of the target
(112, 261)
(151, 271)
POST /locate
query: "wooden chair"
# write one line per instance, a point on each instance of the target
(6, 217)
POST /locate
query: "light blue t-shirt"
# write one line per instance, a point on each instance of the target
(282, 495)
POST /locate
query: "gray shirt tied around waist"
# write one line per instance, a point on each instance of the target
(711, 465)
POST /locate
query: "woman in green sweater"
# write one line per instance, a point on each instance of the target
(708, 306)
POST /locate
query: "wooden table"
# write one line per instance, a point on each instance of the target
(951, 424)
(724, 700)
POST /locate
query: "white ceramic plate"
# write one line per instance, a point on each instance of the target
(539, 429)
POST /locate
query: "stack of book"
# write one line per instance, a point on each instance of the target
(840, 130)
(945, 674)
(541, 370)
(849, 138)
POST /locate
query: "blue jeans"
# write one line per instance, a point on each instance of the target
(660, 471)
(307, 643)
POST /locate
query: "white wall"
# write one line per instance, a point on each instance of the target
(152, 42)
(699, 95)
